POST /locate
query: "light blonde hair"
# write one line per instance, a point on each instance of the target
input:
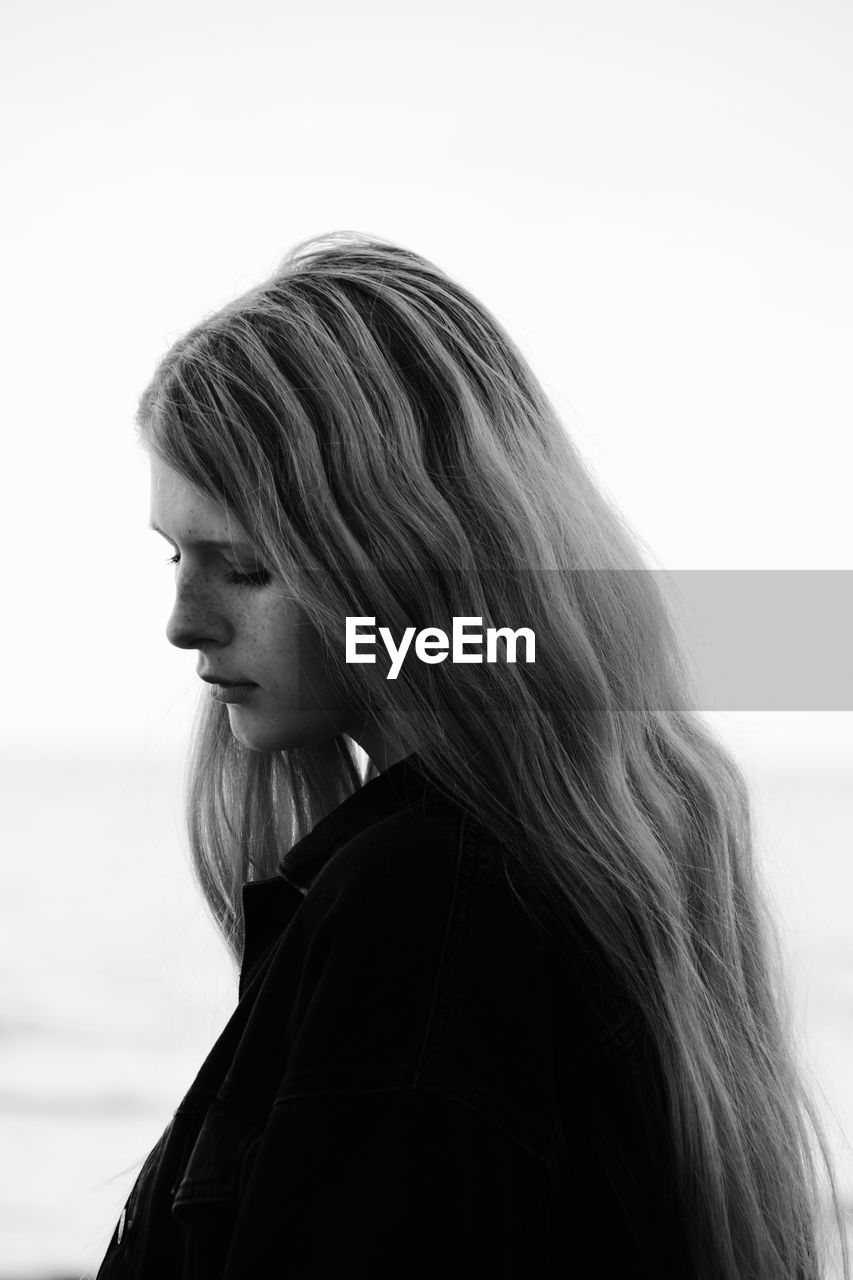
(391, 454)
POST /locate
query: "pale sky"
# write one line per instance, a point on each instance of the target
(654, 198)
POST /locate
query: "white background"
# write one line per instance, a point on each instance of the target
(654, 198)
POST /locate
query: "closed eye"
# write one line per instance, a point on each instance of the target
(259, 578)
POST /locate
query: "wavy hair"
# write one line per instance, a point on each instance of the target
(390, 452)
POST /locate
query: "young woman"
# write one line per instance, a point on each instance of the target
(509, 1005)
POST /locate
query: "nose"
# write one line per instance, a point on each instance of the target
(196, 620)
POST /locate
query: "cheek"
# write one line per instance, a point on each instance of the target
(324, 674)
(292, 650)
(314, 662)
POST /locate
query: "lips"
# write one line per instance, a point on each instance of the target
(225, 683)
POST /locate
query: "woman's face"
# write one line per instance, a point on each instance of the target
(246, 628)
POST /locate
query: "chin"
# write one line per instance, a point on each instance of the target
(262, 742)
(271, 737)
(256, 737)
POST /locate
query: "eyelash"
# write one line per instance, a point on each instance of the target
(258, 579)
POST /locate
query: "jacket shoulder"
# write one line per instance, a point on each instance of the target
(422, 970)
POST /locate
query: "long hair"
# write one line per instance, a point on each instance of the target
(391, 454)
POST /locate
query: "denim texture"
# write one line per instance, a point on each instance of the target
(411, 1084)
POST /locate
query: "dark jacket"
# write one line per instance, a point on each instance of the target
(410, 1086)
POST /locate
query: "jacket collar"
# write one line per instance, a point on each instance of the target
(269, 905)
(401, 785)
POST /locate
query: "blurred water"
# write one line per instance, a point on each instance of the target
(115, 984)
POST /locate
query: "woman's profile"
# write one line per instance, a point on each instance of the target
(510, 1001)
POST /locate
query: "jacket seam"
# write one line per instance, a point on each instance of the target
(421, 1090)
(437, 996)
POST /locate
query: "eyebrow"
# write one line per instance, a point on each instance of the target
(231, 543)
